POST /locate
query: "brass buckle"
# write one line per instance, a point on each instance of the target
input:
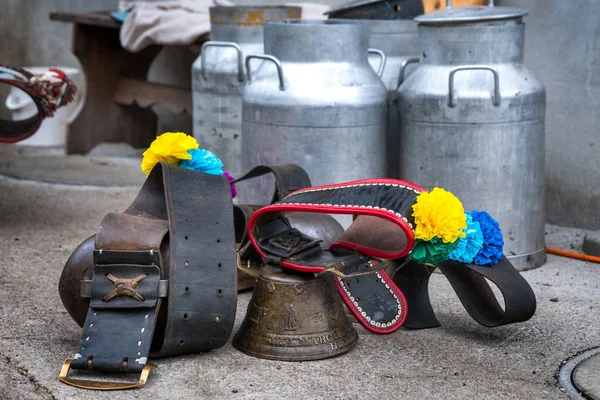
(381, 265)
(101, 385)
(250, 267)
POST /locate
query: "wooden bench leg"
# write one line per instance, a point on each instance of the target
(104, 62)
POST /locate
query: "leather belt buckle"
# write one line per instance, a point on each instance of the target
(104, 385)
(125, 297)
(248, 266)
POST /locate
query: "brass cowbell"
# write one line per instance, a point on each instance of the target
(295, 316)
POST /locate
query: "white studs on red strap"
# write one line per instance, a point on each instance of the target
(356, 206)
(357, 185)
(364, 314)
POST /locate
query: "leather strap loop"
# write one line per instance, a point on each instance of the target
(288, 178)
(469, 283)
(86, 288)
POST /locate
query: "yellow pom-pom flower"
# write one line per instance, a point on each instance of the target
(170, 147)
(439, 214)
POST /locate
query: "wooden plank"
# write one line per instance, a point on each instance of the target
(93, 18)
(101, 119)
(146, 94)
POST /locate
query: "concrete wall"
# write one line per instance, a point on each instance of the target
(562, 47)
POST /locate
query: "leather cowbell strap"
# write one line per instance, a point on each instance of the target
(364, 286)
(470, 284)
(469, 281)
(14, 131)
(288, 179)
(175, 240)
(47, 92)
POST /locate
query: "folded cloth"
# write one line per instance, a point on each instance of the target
(179, 22)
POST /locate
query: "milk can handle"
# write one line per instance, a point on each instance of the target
(381, 54)
(222, 44)
(267, 58)
(496, 95)
(405, 63)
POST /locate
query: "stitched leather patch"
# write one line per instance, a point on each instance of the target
(108, 293)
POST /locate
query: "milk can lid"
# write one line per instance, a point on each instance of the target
(470, 14)
(377, 9)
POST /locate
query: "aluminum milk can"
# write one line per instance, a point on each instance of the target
(472, 122)
(398, 39)
(392, 30)
(315, 101)
(219, 76)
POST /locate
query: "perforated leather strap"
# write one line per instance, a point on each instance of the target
(195, 209)
(373, 298)
(202, 268)
(469, 283)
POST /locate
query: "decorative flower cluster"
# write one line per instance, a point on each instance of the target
(54, 89)
(177, 148)
(443, 231)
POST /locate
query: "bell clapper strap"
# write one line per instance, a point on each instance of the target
(363, 284)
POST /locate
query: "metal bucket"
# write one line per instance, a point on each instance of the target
(219, 76)
(472, 121)
(314, 101)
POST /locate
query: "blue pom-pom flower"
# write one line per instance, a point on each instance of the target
(469, 246)
(491, 252)
(203, 161)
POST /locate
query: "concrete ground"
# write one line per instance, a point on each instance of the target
(41, 224)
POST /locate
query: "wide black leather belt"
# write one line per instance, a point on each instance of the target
(365, 287)
(164, 277)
